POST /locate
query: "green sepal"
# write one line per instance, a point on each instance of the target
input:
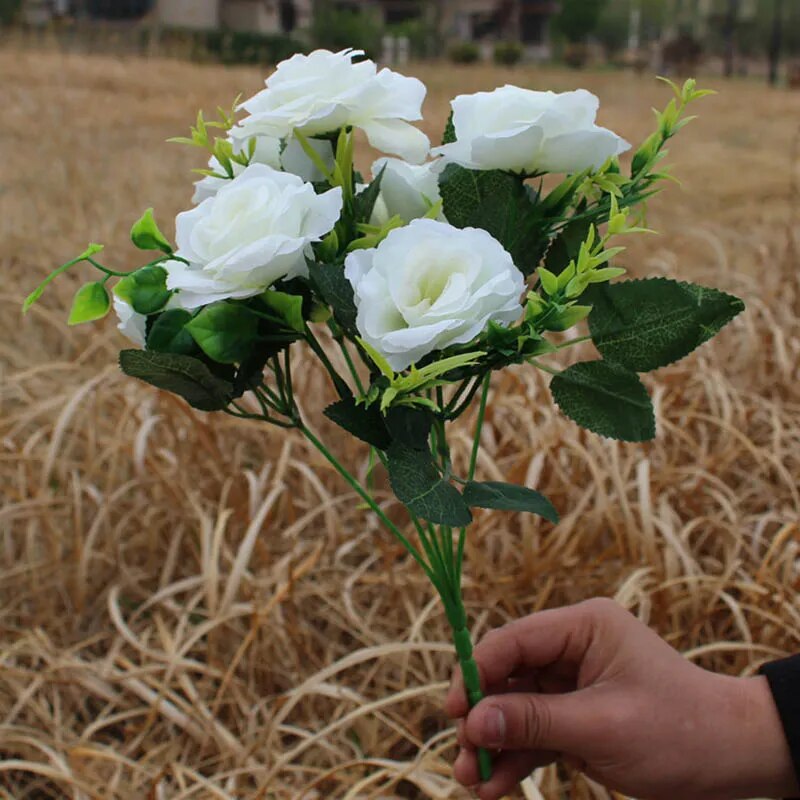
(288, 307)
(647, 324)
(449, 135)
(605, 398)
(225, 332)
(365, 201)
(91, 302)
(145, 290)
(185, 376)
(508, 497)
(146, 235)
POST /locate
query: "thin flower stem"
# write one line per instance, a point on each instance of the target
(456, 413)
(342, 389)
(476, 441)
(365, 496)
(351, 365)
(543, 367)
(572, 342)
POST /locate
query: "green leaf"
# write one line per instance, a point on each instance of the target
(418, 484)
(647, 324)
(336, 291)
(605, 398)
(183, 375)
(509, 497)
(364, 423)
(549, 281)
(145, 290)
(499, 203)
(449, 135)
(168, 333)
(146, 235)
(225, 331)
(91, 302)
(365, 201)
(289, 307)
(565, 319)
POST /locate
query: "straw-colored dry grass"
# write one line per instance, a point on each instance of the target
(194, 607)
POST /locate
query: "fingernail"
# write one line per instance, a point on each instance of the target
(495, 727)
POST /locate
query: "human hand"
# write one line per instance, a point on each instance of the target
(591, 685)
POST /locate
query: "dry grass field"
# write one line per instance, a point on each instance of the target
(192, 606)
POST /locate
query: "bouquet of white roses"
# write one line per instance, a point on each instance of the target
(449, 264)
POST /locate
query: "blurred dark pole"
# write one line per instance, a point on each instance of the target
(776, 41)
(731, 19)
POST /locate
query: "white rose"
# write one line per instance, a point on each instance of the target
(131, 323)
(267, 151)
(323, 92)
(254, 231)
(407, 190)
(430, 285)
(520, 130)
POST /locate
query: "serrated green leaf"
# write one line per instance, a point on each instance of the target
(336, 291)
(225, 332)
(365, 423)
(508, 497)
(418, 484)
(146, 235)
(168, 333)
(647, 324)
(145, 290)
(499, 203)
(605, 398)
(289, 307)
(183, 375)
(91, 303)
(411, 426)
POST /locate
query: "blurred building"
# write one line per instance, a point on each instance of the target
(255, 16)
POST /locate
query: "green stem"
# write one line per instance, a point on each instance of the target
(543, 367)
(342, 389)
(572, 342)
(472, 684)
(351, 365)
(366, 497)
(476, 441)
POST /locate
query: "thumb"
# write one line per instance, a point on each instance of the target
(559, 722)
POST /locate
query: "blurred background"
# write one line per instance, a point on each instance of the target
(194, 606)
(730, 37)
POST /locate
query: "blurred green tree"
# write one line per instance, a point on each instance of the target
(9, 10)
(578, 19)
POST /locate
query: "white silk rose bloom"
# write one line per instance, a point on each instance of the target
(254, 231)
(407, 190)
(268, 150)
(428, 286)
(519, 130)
(132, 324)
(322, 92)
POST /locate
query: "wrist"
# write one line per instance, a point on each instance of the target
(754, 755)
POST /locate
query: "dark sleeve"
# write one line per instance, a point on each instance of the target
(784, 681)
